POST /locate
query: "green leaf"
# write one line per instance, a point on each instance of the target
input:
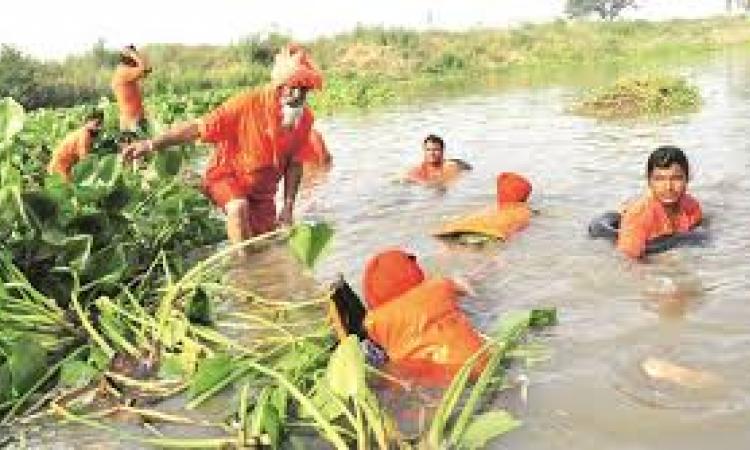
(83, 172)
(346, 370)
(27, 361)
(12, 117)
(168, 163)
(171, 367)
(99, 359)
(512, 326)
(41, 205)
(308, 241)
(543, 317)
(10, 176)
(486, 427)
(77, 374)
(210, 372)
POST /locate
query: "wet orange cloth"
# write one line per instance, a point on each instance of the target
(645, 219)
(74, 147)
(511, 215)
(314, 154)
(424, 332)
(427, 173)
(126, 85)
(252, 149)
(512, 188)
(389, 274)
(498, 222)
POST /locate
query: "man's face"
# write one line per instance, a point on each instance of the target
(433, 153)
(668, 185)
(294, 97)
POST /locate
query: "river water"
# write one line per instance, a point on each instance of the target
(687, 306)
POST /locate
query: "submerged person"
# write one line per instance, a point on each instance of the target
(510, 215)
(258, 136)
(414, 319)
(126, 85)
(75, 146)
(435, 169)
(665, 209)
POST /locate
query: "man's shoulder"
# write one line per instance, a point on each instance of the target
(638, 205)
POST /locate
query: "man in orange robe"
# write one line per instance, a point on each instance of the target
(435, 169)
(126, 85)
(258, 135)
(665, 209)
(414, 319)
(75, 146)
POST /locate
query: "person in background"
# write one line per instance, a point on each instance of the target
(75, 146)
(435, 169)
(126, 85)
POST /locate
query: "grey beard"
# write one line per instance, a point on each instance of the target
(290, 115)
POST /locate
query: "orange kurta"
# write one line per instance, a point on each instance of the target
(252, 151)
(74, 147)
(424, 332)
(645, 219)
(126, 85)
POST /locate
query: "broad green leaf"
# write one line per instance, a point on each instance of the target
(84, 171)
(265, 419)
(486, 427)
(27, 361)
(168, 163)
(98, 358)
(12, 117)
(171, 367)
(210, 371)
(40, 206)
(346, 369)
(308, 241)
(77, 374)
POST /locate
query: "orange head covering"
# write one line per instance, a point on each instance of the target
(294, 67)
(390, 274)
(512, 188)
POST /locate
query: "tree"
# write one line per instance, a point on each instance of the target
(606, 9)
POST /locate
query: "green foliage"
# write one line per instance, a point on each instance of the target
(486, 427)
(653, 95)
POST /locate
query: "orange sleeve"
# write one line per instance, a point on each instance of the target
(634, 232)
(222, 123)
(695, 213)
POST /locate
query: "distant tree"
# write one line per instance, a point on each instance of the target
(605, 9)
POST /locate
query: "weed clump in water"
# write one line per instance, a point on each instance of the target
(653, 95)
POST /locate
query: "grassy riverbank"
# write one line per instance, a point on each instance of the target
(372, 66)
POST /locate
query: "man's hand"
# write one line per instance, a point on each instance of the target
(137, 150)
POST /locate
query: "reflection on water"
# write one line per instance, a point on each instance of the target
(688, 306)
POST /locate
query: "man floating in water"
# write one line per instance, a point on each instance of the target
(664, 217)
(435, 169)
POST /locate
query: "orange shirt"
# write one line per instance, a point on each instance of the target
(645, 219)
(126, 85)
(424, 332)
(252, 147)
(74, 147)
(426, 173)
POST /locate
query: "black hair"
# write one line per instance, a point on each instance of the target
(125, 59)
(666, 155)
(95, 114)
(435, 139)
